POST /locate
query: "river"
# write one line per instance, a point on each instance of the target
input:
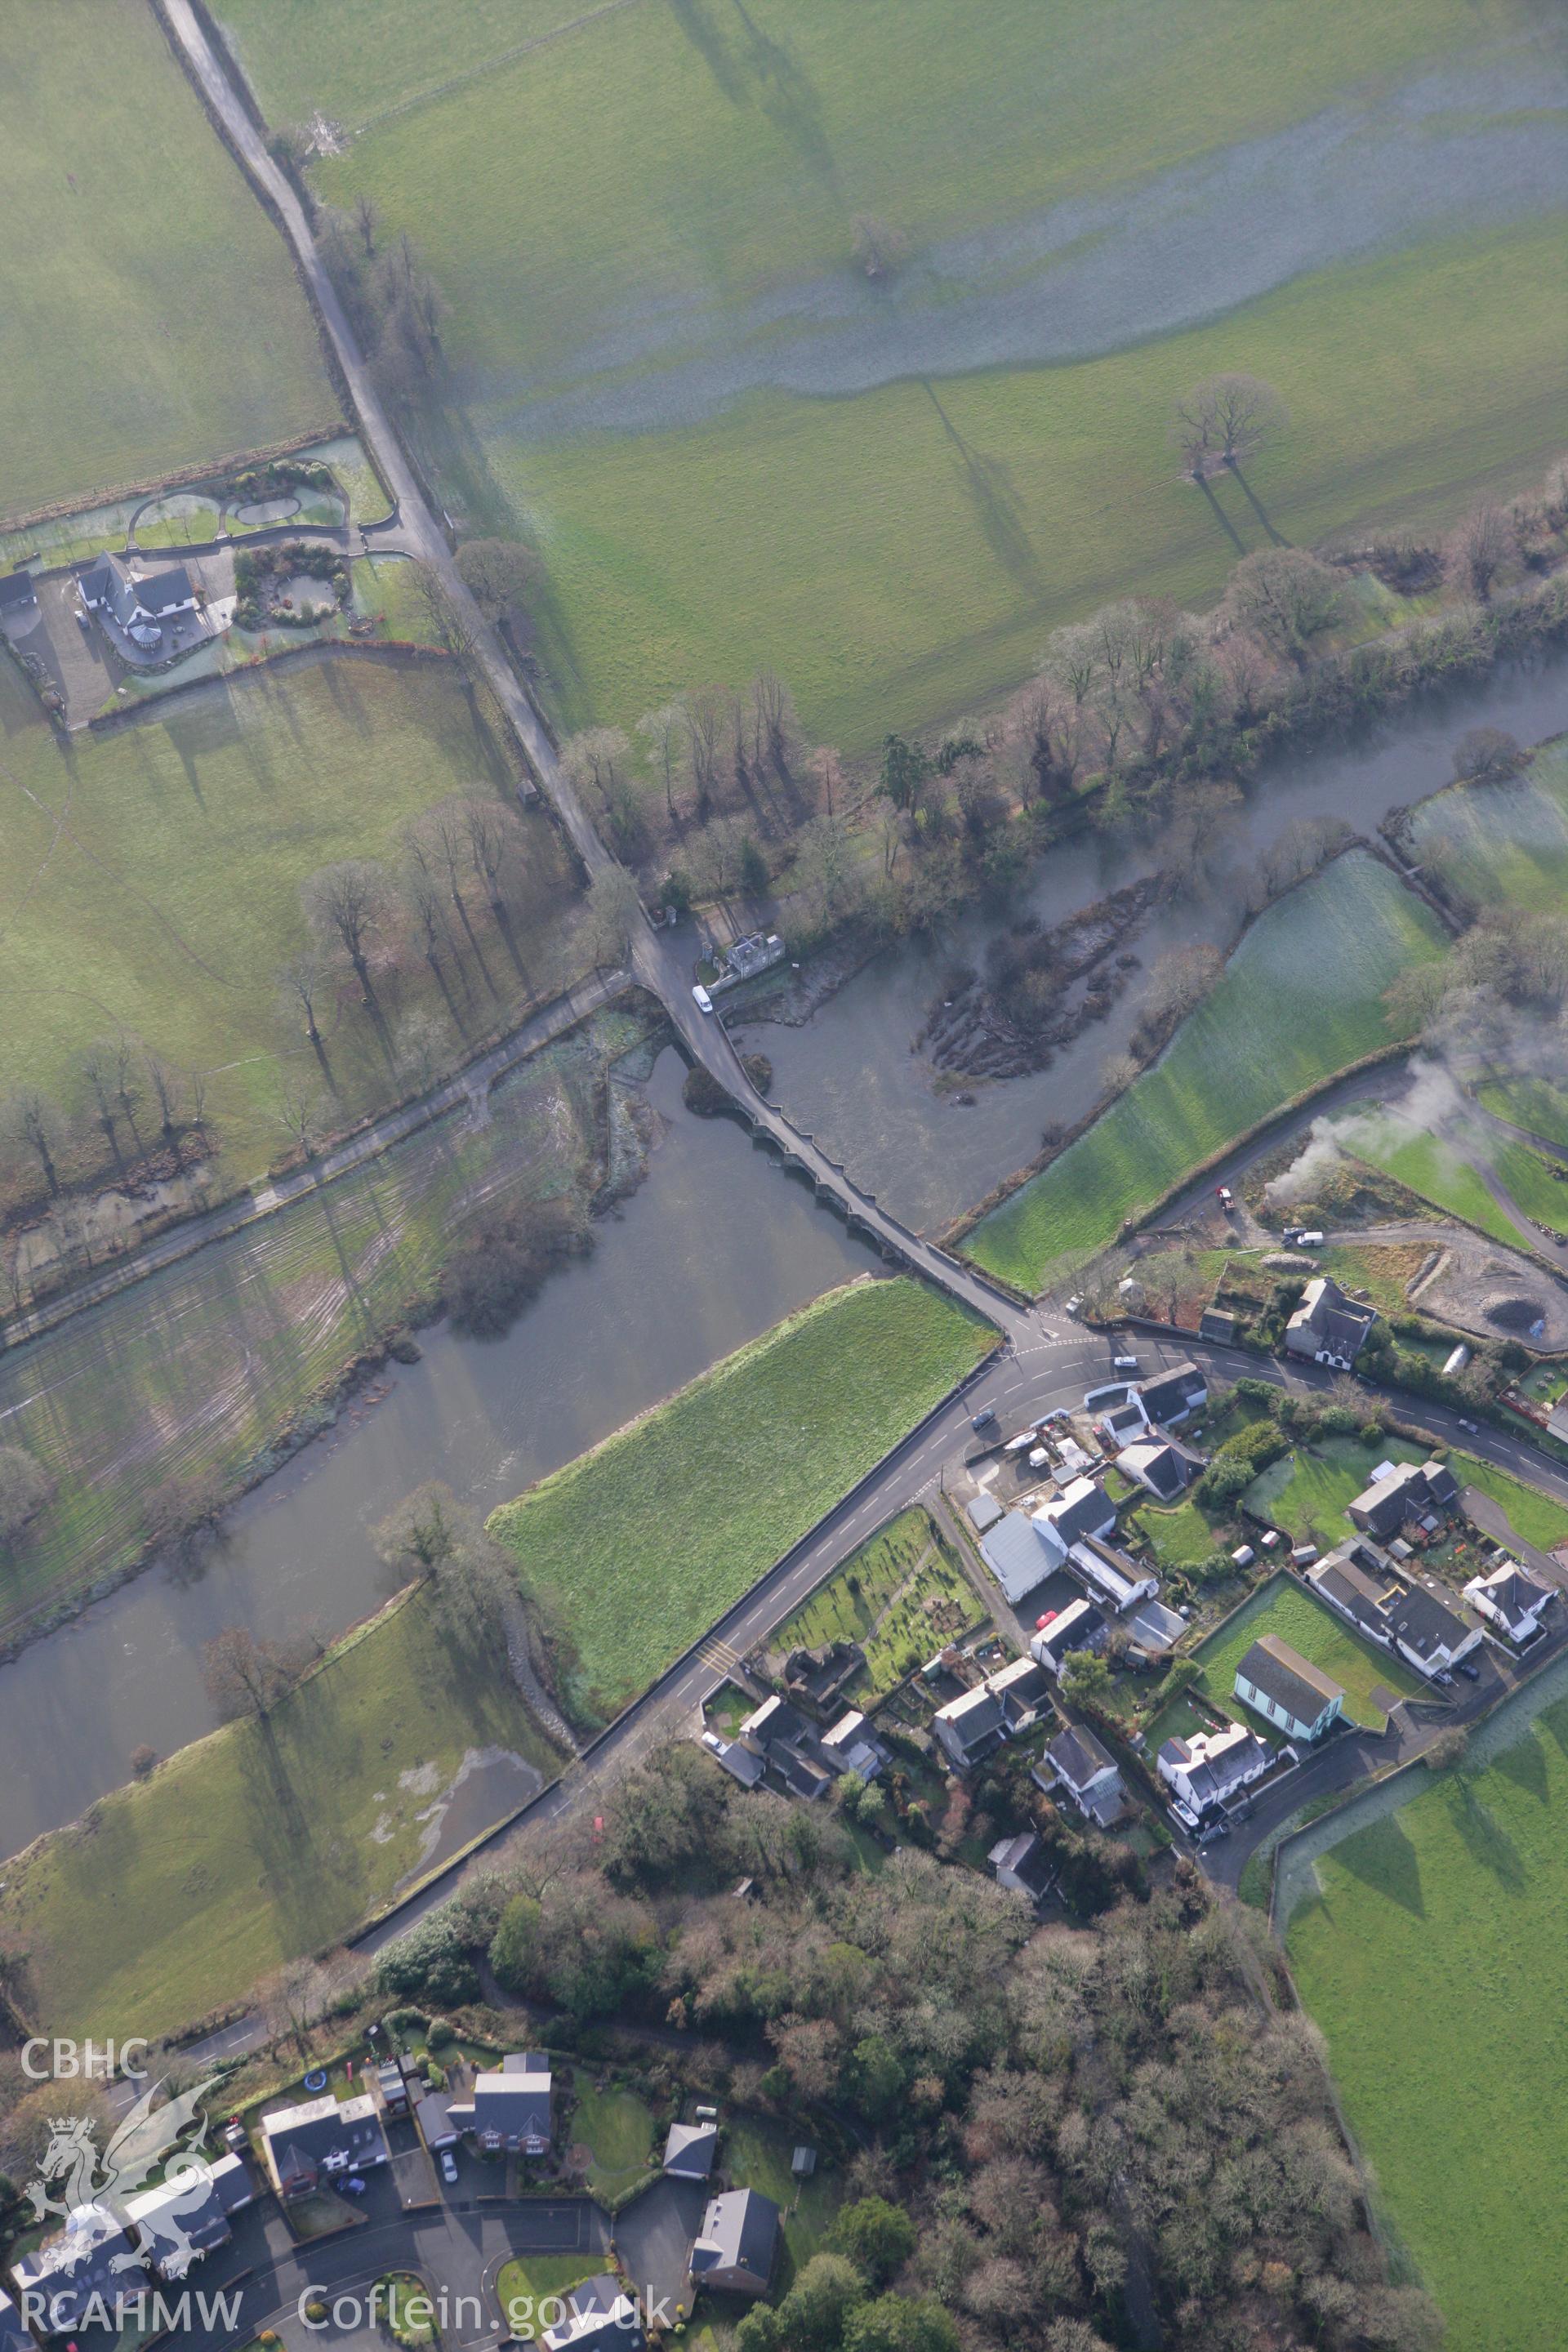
(850, 1078)
(714, 1248)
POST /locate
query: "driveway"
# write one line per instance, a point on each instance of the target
(653, 2239)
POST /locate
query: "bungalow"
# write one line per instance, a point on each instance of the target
(971, 1727)
(600, 2316)
(1114, 1576)
(189, 2215)
(691, 2150)
(1078, 1763)
(18, 595)
(1409, 1489)
(1328, 1327)
(1426, 1631)
(89, 2266)
(1175, 1395)
(1511, 1599)
(1080, 1509)
(510, 2107)
(1211, 1766)
(1022, 1864)
(738, 2244)
(1279, 1684)
(1160, 1465)
(1078, 1626)
(307, 2145)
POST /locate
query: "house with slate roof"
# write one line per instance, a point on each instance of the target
(738, 2244)
(1279, 1684)
(1511, 1599)
(1328, 1327)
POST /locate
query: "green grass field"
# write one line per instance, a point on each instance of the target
(149, 314)
(900, 1596)
(1182, 1538)
(641, 1543)
(1284, 1610)
(1434, 1170)
(522, 2285)
(173, 1897)
(1534, 1518)
(154, 873)
(1503, 844)
(1333, 946)
(757, 2153)
(1432, 1961)
(897, 553)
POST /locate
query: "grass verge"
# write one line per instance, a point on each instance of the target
(644, 1541)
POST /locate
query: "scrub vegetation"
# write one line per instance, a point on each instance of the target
(636, 1547)
(269, 1840)
(1336, 944)
(149, 314)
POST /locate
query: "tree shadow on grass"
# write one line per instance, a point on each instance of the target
(1221, 517)
(1485, 1838)
(1255, 503)
(1525, 1765)
(1383, 1858)
(998, 508)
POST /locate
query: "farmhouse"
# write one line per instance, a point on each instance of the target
(1208, 1769)
(90, 2257)
(1078, 1626)
(1426, 1631)
(1511, 1599)
(306, 2145)
(509, 2108)
(599, 2316)
(691, 2150)
(1112, 1574)
(188, 2216)
(739, 2243)
(1277, 1683)
(1022, 1864)
(1077, 1763)
(1328, 1327)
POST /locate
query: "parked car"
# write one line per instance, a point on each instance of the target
(1446, 1681)
(1469, 1669)
(448, 2165)
(353, 2186)
(1226, 1197)
(985, 1418)
(704, 1001)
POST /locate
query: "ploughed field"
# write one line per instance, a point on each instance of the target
(1301, 998)
(866, 377)
(636, 1547)
(150, 317)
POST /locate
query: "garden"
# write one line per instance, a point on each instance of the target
(639, 1545)
(1368, 1676)
(901, 1597)
(1339, 941)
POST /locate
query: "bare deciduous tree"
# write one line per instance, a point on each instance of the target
(612, 910)
(664, 733)
(244, 1674)
(366, 219)
(98, 1071)
(1285, 597)
(24, 1488)
(303, 982)
(878, 248)
(168, 1092)
(1481, 547)
(346, 903)
(500, 574)
(596, 760)
(300, 1111)
(29, 1118)
(1225, 421)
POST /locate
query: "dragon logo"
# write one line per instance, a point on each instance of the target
(154, 2141)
